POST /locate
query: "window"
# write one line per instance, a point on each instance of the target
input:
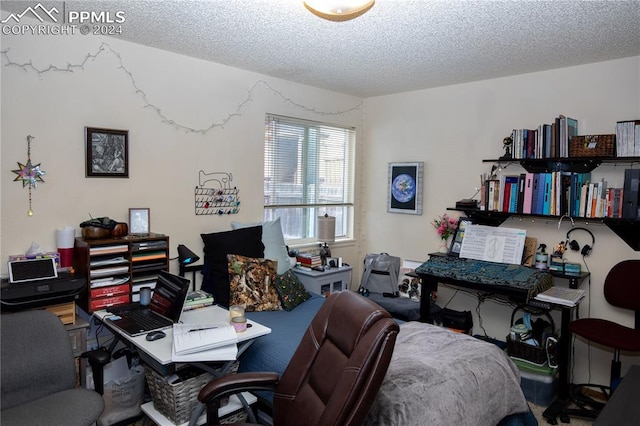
(308, 172)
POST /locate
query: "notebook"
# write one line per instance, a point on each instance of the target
(162, 312)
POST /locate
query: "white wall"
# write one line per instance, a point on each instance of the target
(165, 158)
(453, 128)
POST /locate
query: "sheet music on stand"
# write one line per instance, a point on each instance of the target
(493, 244)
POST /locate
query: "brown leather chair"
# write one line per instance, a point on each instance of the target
(334, 374)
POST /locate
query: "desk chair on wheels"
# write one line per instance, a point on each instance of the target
(622, 290)
(38, 374)
(335, 373)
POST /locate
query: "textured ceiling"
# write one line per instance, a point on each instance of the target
(397, 46)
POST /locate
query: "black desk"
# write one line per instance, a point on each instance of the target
(518, 295)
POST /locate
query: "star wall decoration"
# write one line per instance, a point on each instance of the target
(29, 174)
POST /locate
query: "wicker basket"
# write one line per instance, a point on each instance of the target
(521, 350)
(177, 400)
(593, 146)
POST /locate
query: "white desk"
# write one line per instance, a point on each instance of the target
(158, 353)
(160, 350)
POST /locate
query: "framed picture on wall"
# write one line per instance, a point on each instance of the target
(404, 189)
(107, 152)
(139, 221)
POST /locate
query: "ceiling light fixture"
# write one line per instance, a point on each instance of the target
(338, 10)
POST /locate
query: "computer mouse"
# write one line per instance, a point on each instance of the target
(156, 335)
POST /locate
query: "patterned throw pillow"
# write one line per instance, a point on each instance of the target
(291, 290)
(252, 283)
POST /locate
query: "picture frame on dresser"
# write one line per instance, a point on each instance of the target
(404, 189)
(107, 152)
(139, 221)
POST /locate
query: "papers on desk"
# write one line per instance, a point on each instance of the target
(196, 338)
(561, 296)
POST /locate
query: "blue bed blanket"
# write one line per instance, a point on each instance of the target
(273, 351)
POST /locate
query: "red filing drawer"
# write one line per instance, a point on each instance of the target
(109, 291)
(96, 305)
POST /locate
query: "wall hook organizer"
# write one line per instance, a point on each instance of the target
(215, 196)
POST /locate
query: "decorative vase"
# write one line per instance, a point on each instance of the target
(444, 246)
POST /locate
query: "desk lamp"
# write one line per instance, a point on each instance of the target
(326, 234)
(187, 257)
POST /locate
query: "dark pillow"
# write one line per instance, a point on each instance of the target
(252, 283)
(215, 275)
(291, 290)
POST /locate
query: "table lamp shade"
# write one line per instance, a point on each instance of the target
(326, 228)
(186, 256)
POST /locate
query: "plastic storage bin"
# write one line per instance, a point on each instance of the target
(538, 389)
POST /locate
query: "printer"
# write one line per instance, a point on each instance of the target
(66, 287)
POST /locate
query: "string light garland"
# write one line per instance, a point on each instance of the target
(29, 174)
(107, 49)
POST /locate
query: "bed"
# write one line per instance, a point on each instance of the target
(436, 377)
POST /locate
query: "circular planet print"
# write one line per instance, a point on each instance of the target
(403, 188)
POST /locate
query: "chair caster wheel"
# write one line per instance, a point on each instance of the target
(564, 418)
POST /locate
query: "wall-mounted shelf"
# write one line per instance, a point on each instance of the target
(628, 230)
(573, 164)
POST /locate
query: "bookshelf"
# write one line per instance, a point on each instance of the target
(116, 268)
(626, 229)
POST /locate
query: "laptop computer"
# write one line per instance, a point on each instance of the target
(162, 312)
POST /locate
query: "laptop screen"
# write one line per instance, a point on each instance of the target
(169, 295)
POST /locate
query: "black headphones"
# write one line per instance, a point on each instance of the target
(573, 244)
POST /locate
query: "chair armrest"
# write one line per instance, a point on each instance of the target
(231, 384)
(236, 383)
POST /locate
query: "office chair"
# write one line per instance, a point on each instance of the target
(38, 374)
(622, 290)
(335, 373)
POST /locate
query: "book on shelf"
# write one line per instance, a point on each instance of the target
(631, 193)
(628, 138)
(148, 255)
(561, 296)
(193, 338)
(556, 194)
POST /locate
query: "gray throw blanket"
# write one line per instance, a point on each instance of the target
(438, 377)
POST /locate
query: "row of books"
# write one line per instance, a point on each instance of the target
(545, 141)
(554, 194)
(197, 299)
(628, 138)
(309, 260)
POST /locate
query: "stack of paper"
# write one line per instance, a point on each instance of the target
(561, 296)
(192, 338)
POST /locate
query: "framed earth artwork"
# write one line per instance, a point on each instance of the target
(404, 192)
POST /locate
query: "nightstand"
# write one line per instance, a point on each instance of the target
(331, 280)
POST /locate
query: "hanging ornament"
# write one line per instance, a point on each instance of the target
(29, 174)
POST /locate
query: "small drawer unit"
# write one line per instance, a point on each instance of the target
(325, 282)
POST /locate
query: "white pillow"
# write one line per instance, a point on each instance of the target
(273, 240)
